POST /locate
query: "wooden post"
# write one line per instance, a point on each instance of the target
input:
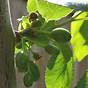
(7, 43)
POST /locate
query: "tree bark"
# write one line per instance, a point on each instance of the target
(7, 43)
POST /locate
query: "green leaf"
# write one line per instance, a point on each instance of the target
(49, 26)
(41, 40)
(32, 5)
(52, 60)
(33, 68)
(61, 74)
(52, 49)
(22, 61)
(28, 80)
(60, 35)
(83, 82)
(79, 41)
(24, 22)
(47, 9)
(17, 50)
(66, 51)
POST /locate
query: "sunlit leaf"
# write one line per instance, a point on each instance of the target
(24, 23)
(47, 9)
(31, 5)
(61, 74)
(17, 50)
(79, 41)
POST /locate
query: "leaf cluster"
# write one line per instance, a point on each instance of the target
(43, 27)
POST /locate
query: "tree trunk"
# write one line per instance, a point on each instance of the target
(7, 43)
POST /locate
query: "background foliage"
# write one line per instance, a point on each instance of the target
(60, 68)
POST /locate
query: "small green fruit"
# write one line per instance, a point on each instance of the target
(61, 35)
(28, 81)
(34, 71)
(22, 61)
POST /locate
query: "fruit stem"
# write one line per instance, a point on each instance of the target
(43, 32)
(22, 40)
(68, 20)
